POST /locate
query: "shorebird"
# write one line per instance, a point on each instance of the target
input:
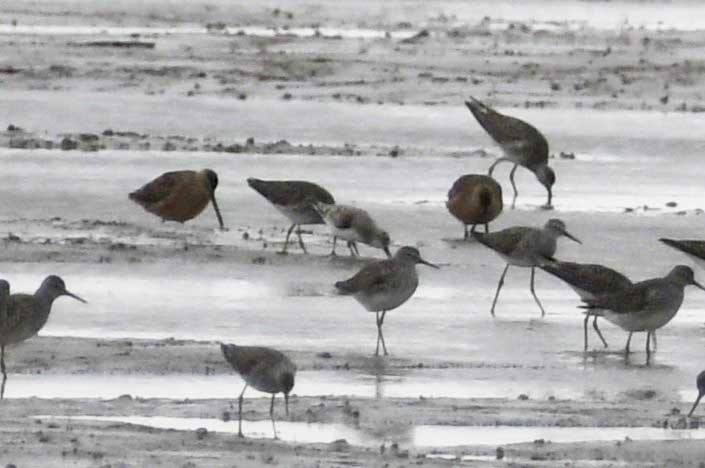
(475, 199)
(695, 249)
(385, 285)
(179, 195)
(353, 225)
(700, 382)
(521, 143)
(26, 314)
(265, 369)
(645, 306)
(525, 247)
(294, 199)
(588, 281)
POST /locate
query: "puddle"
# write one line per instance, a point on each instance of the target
(417, 436)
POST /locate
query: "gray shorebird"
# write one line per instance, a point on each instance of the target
(700, 382)
(294, 199)
(588, 281)
(645, 306)
(385, 285)
(353, 225)
(179, 195)
(525, 247)
(522, 144)
(26, 314)
(695, 249)
(475, 199)
(265, 369)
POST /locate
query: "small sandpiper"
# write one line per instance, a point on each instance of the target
(385, 285)
(26, 314)
(265, 369)
(353, 225)
(179, 195)
(700, 382)
(525, 247)
(588, 281)
(645, 306)
(522, 144)
(475, 199)
(294, 199)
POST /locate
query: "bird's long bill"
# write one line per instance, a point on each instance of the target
(217, 211)
(286, 404)
(70, 294)
(695, 405)
(433, 265)
(695, 283)
(571, 237)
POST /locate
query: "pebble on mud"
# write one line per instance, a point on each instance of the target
(201, 433)
(500, 453)
(340, 445)
(523, 397)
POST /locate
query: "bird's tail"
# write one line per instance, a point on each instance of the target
(485, 197)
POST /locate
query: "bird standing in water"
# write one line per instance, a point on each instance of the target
(26, 314)
(385, 285)
(521, 142)
(475, 199)
(265, 369)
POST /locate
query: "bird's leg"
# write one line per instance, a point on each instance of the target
(239, 412)
(357, 252)
(511, 179)
(4, 373)
(499, 160)
(599, 333)
(626, 349)
(648, 345)
(301, 241)
(377, 321)
(499, 286)
(286, 242)
(271, 415)
(350, 246)
(533, 293)
(653, 338)
(465, 236)
(335, 241)
(381, 336)
(585, 337)
(695, 405)
(487, 228)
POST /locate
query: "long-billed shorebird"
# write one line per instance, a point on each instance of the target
(265, 369)
(385, 285)
(525, 247)
(294, 199)
(645, 306)
(588, 281)
(700, 382)
(179, 195)
(522, 144)
(475, 199)
(26, 314)
(353, 225)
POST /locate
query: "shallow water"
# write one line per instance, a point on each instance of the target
(417, 436)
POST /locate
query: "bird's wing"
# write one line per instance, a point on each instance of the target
(343, 217)
(371, 276)
(630, 300)
(509, 132)
(504, 241)
(593, 278)
(245, 359)
(158, 189)
(20, 308)
(292, 192)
